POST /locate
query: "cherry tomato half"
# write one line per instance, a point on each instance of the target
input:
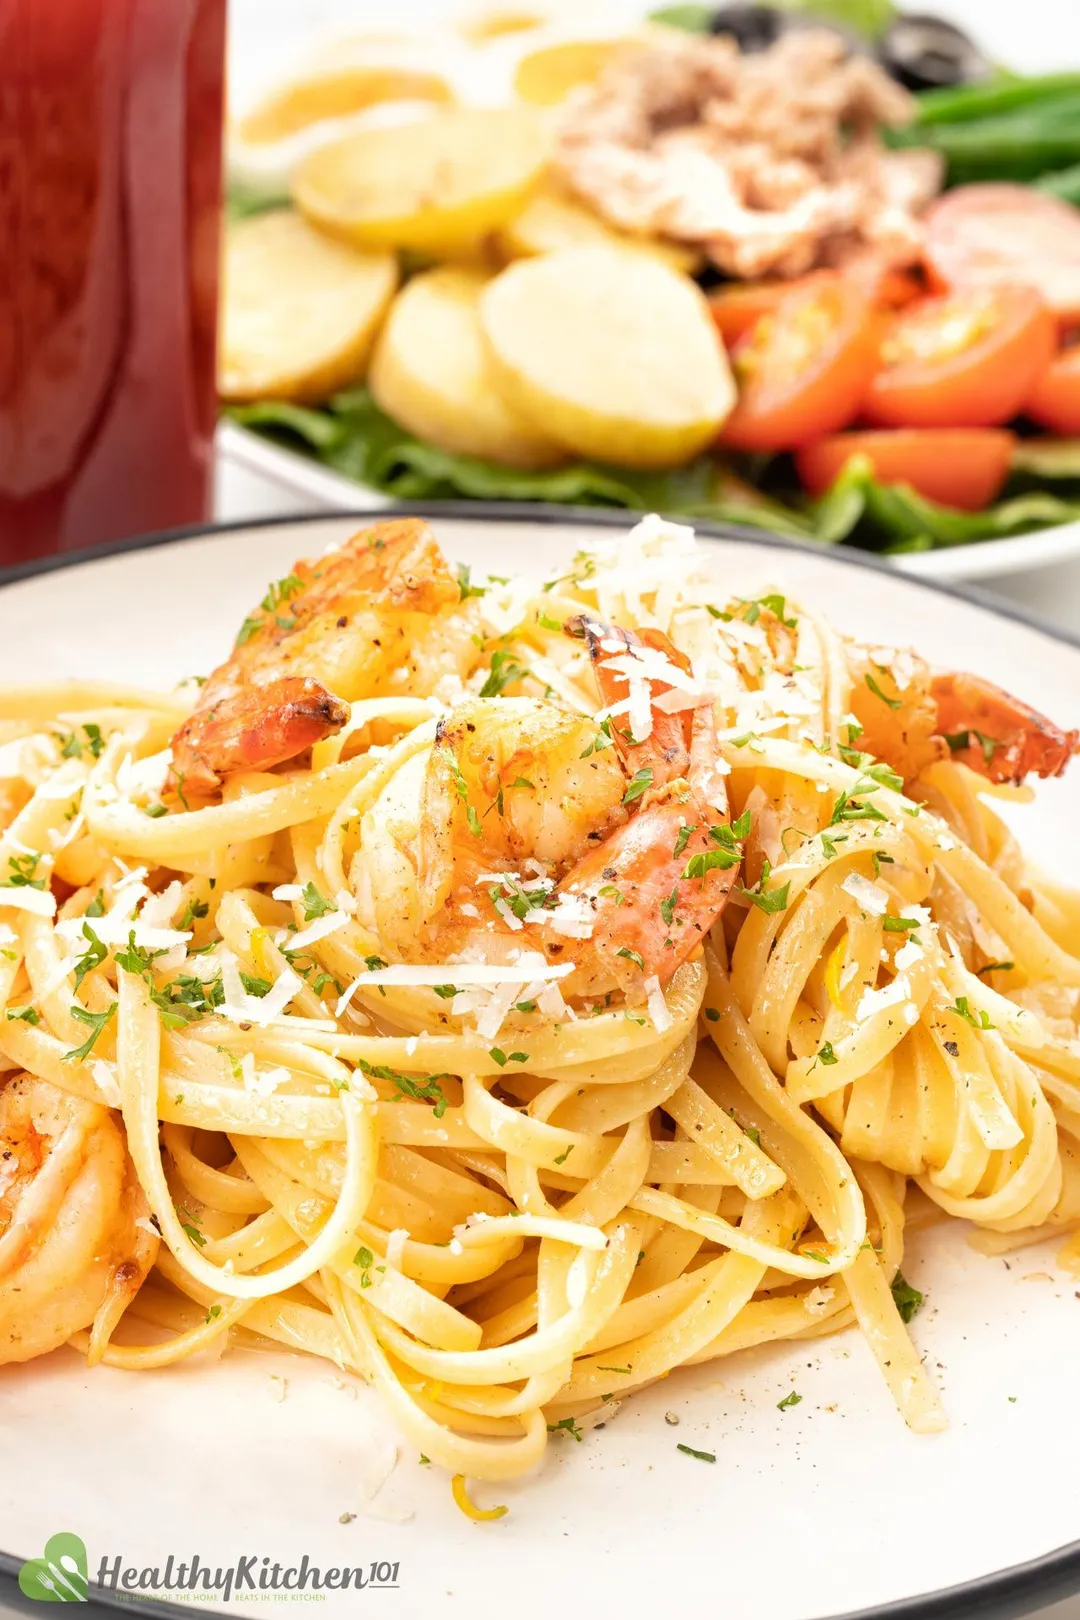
(737, 308)
(960, 467)
(968, 359)
(1006, 235)
(1054, 402)
(804, 369)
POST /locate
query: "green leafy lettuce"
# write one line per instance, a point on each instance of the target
(351, 435)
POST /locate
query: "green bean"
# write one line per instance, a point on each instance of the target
(1000, 95)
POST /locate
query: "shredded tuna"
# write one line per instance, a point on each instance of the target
(772, 162)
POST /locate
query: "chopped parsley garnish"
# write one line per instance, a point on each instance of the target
(212, 1314)
(504, 672)
(73, 748)
(21, 870)
(996, 967)
(608, 891)
(445, 992)
(562, 1158)
(667, 907)
(892, 703)
(365, 1260)
(546, 622)
(194, 911)
(603, 739)
(465, 584)
(976, 1017)
(97, 1022)
(525, 1006)
(828, 845)
(850, 806)
(280, 592)
(682, 839)
(959, 740)
(27, 1015)
(899, 925)
(878, 860)
(96, 908)
(190, 1227)
(826, 1055)
(374, 963)
(712, 1015)
(568, 1425)
(639, 783)
(627, 1369)
(770, 901)
(789, 1400)
(155, 810)
(708, 860)
(702, 1456)
(313, 903)
(249, 628)
(93, 956)
(752, 608)
(907, 1299)
(425, 1090)
(632, 956)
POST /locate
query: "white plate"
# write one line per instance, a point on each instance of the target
(314, 487)
(827, 1508)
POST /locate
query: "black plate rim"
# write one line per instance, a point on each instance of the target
(1003, 1595)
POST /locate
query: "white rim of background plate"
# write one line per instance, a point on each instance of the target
(300, 476)
(1019, 1590)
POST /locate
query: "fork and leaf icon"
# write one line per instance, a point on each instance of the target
(60, 1575)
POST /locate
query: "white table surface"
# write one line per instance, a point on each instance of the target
(264, 32)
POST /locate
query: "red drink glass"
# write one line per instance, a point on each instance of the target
(110, 182)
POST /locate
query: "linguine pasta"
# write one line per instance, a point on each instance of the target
(504, 1198)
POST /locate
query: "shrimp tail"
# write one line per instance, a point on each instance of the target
(253, 729)
(996, 734)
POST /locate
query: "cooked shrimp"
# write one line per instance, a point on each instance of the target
(69, 1246)
(998, 735)
(531, 826)
(384, 614)
(912, 718)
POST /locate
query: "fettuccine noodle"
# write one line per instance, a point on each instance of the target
(291, 1098)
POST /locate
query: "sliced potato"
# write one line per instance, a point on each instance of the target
(547, 75)
(435, 186)
(299, 312)
(551, 220)
(611, 353)
(431, 372)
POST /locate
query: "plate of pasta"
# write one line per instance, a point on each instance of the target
(538, 1063)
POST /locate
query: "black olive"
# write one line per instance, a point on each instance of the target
(925, 52)
(755, 28)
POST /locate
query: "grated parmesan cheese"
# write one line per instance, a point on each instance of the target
(875, 1001)
(870, 897)
(658, 1011)
(38, 901)
(318, 930)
